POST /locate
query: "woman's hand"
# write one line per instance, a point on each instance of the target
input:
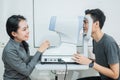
(79, 58)
(44, 46)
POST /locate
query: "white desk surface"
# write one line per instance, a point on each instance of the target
(61, 67)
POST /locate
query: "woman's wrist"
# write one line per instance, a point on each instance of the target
(40, 51)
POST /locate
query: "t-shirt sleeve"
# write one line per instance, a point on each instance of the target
(112, 53)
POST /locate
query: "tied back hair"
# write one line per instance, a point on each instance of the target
(25, 45)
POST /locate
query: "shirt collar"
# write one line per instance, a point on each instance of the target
(15, 43)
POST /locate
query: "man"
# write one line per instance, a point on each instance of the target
(105, 48)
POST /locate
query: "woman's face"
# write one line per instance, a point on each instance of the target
(22, 33)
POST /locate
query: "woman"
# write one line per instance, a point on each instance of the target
(16, 56)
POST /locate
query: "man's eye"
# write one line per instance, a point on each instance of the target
(85, 22)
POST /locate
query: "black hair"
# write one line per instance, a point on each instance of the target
(25, 45)
(12, 24)
(97, 15)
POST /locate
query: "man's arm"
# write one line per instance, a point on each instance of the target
(112, 72)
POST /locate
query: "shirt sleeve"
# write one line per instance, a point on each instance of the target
(112, 53)
(13, 59)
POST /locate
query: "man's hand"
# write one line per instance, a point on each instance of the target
(79, 58)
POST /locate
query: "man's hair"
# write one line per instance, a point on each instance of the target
(97, 15)
(12, 24)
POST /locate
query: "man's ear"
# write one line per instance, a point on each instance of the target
(97, 23)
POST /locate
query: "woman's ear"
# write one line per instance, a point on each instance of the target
(13, 33)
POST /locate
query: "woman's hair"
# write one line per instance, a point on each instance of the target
(12, 24)
(97, 15)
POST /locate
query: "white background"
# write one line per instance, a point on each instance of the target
(47, 8)
(44, 9)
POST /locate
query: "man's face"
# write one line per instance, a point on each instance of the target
(85, 25)
(89, 25)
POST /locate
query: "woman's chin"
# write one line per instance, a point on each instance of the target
(26, 39)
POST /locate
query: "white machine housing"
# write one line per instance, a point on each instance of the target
(68, 29)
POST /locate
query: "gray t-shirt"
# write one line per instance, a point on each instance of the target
(106, 52)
